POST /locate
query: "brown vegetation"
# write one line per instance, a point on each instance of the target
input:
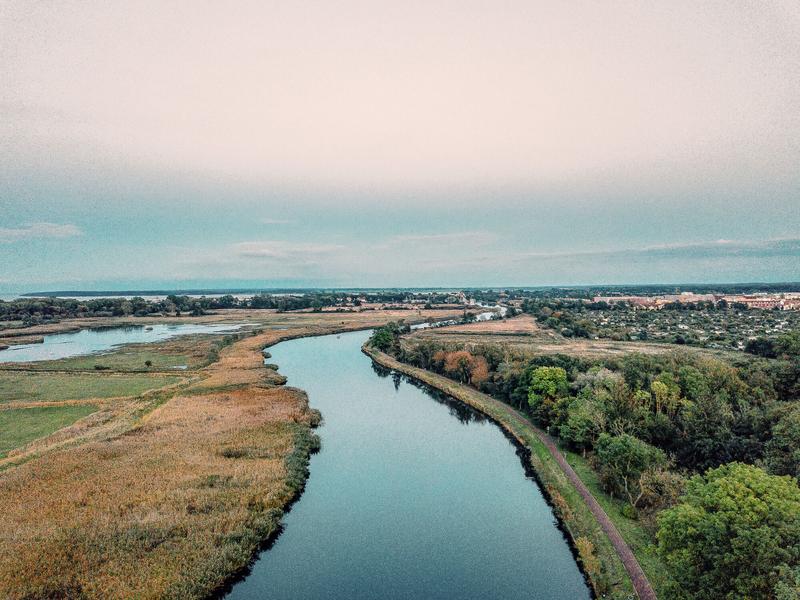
(168, 494)
(463, 366)
(169, 509)
(520, 325)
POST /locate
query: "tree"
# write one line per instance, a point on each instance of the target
(227, 301)
(788, 345)
(660, 488)
(761, 347)
(788, 586)
(383, 339)
(387, 338)
(735, 534)
(585, 422)
(783, 450)
(625, 464)
(458, 365)
(466, 367)
(479, 371)
(547, 385)
(666, 394)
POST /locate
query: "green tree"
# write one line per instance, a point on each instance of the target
(387, 338)
(761, 346)
(783, 450)
(735, 534)
(788, 586)
(625, 463)
(707, 432)
(585, 422)
(789, 344)
(547, 386)
(383, 339)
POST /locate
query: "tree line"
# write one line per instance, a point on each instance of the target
(33, 311)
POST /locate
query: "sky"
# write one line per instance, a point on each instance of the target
(422, 143)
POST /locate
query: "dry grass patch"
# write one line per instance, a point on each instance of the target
(169, 509)
(521, 325)
(523, 336)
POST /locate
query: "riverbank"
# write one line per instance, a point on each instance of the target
(169, 493)
(171, 506)
(414, 495)
(611, 566)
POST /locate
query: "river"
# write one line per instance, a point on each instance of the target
(412, 496)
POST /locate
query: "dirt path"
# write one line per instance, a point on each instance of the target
(640, 582)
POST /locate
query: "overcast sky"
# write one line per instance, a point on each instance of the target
(398, 143)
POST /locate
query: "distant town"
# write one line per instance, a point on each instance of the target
(769, 301)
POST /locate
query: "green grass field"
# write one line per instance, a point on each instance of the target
(26, 386)
(18, 426)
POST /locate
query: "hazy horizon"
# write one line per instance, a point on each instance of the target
(426, 144)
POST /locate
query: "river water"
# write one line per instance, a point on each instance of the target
(411, 496)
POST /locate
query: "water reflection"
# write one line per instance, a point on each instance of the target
(463, 412)
(102, 339)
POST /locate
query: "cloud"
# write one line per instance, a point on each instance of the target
(728, 249)
(275, 221)
(282, 249)
(472, 237)
(36, 231)
(686, 251)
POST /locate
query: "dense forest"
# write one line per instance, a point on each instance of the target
(705, 452)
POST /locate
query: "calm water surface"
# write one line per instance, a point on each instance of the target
(411, 496)
(91, 341)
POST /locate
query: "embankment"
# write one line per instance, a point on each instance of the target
(619, 573)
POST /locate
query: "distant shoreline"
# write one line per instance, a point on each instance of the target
(655, 287)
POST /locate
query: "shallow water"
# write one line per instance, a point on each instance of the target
(92, 341)
(411, 496)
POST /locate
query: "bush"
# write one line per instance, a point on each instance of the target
(625, 463)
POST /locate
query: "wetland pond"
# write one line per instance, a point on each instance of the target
(102, 339)
(412, 495)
